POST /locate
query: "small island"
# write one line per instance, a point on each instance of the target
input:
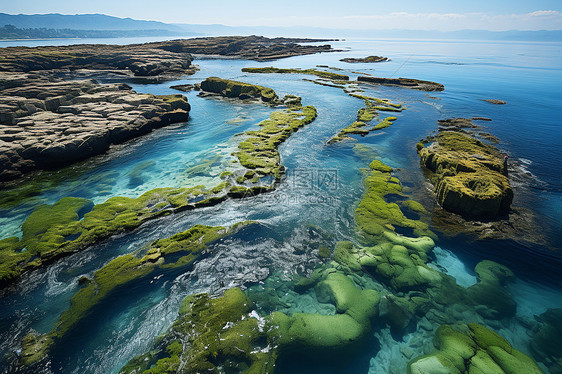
(368, 59)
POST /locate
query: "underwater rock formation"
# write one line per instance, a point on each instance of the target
(48, 123)
(545, 342)
(415, 84)
(365, 59)
(472, 349)
(177, 252)
(467, 174)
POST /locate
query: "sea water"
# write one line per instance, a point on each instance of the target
(303, 210)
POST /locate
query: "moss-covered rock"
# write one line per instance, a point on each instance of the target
(177, 251)
(467, 175)
(366, 114)
(472, 349)
(374, 215)
(210, 335)
(241, 90)
(258, 151)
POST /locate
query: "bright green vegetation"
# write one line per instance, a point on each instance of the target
(472, 348)
(374, 215)
(177, 251)
(372, 107)
(221, 334)
(467, 174)
(211, 336)
(384, 123)
(74, 224)
(318, 73)
(259, 151)
(313, 332)
(54, 231)
(235, 89)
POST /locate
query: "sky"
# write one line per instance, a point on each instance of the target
(443, 15)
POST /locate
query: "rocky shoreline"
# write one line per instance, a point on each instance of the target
(49, 118)
(47, 123)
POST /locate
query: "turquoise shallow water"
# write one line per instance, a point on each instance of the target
(302, 210)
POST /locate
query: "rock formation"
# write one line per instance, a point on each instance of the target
(48, 123)
(365, 59)
(414, 84)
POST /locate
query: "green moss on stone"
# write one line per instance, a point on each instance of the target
(177, 251)
(472, 349)
(235, 89)
(467, 175)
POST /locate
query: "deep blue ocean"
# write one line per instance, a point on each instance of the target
(528, 76)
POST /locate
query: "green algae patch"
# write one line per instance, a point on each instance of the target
(365, 115)
(468, 175)
(472, 349)
(318, 73)
(374, 215)
(258, 151)
(210, 335)
(241, 90)
(175, 252)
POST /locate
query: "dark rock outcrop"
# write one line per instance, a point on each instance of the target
(365, 59)
(48, 123)
(414, 84)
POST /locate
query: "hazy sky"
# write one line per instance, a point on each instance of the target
(374, 14)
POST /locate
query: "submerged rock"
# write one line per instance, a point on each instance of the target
(472, 349)
(545, 342)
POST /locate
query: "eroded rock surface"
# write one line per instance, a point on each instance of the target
(47, 123)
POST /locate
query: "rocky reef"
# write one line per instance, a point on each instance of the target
(365, 115)
(472, 348)
(176, 252)
(365, 59)
(74, 224)
(316, 72)
(414, 84)
(468, 175)
(358, 291)
(239, 90)
(47, 123)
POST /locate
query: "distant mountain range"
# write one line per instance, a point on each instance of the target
(101, 26)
